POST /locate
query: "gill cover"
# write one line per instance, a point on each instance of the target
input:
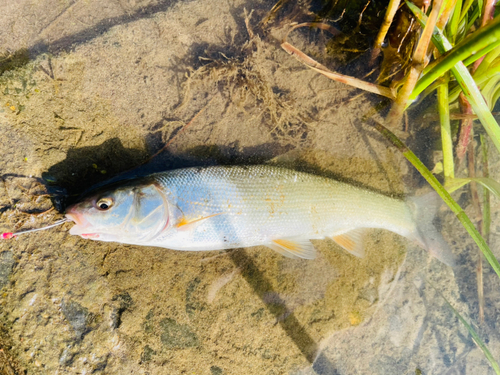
(132, 214)
(148, 215)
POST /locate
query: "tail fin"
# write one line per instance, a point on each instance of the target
(424, 209)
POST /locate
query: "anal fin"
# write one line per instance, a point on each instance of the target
(294, 248)
(352, 241)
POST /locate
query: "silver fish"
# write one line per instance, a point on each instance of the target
(216, 208)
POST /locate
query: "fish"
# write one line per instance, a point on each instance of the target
(227, 207)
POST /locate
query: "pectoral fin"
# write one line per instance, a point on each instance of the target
(352, 241)
(185, 224)
(294, 248)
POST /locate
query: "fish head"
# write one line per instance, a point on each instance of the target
(132, 213)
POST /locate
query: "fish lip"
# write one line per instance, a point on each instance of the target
(76, 217)
(73, 218)
(82, 227)
(80, 222)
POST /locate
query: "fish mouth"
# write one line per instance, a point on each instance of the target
(82, 227)
(76, 217)
(81, 224)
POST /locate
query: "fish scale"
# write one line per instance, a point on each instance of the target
(260, 203)
(223, 207)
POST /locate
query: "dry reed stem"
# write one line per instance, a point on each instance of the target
(316, 66)
(480, 284)
(479, 218)
(418, 64)
(465, 128)
(389, 16)
(488, 11)
(448, 8)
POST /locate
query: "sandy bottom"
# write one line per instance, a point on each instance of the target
(105, 87)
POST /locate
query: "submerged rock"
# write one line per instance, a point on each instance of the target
(147, 354)
(6, 265)
(78, 316)
(177, 336)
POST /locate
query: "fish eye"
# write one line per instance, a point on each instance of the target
(104, 204)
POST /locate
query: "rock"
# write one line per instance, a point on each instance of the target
(124, 302)
(6, 265)
(176, 335)
(77, 316)
(147, 354)
(214, 370)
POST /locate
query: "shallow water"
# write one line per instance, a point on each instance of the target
(105, 87)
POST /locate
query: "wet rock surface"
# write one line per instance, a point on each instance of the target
(6, 265)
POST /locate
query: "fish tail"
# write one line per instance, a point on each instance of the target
(424, 209)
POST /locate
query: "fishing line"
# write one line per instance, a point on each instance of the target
(8, 235)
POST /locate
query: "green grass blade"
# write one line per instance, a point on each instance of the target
(452, 27)
(488, 183)
(446, 139)
(475, 44)
(477, 340)
(436, 185)
(485, 77)
(455, 184)
(466, 8)
(486, 192)
(462, 75)
(488, 60)
(484, 51)
(482, 79)
(475, 15)
(478, 103)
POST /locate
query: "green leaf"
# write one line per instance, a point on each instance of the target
(477, 43)
(466, 8)
(446, 137)
(488, 49)
(454, 21)
(470, 46)
(453, 184)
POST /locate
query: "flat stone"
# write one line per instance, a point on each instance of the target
(6, 265)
